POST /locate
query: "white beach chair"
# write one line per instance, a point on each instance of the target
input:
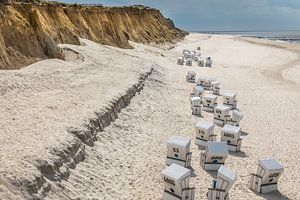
(267, 176)
(208, 62)
(208, 82)
(178, 151)
(197, 54)
(201, 81)
(204, 133)
(232, 136)
(229, 99)
(209, 102)
(196, 105)
(221, 114)
(196, 58)
(180, 61)
(191, 77)
(189, 61)
(176, 183)
(198, 91)
(236, 118)
(221, 186)
(215, 87)
(214, 156)
(185, 53)
(200, 62)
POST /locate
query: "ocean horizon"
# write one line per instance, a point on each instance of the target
(290, 36)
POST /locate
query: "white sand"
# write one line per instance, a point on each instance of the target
(39, 102)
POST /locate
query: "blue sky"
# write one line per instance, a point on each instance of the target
(207, 15)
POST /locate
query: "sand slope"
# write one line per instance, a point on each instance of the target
(126, 161)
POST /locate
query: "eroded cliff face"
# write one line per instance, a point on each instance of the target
(31, 31)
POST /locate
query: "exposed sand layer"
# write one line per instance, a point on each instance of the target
(52, 96)
(30, 30)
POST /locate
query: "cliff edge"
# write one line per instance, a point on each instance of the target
(31, 30)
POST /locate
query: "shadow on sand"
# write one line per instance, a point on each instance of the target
(243, 133)
(213, 174)
(273, 196)
(240, 154)
(198, 116)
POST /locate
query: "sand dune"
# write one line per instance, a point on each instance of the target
(126, 160)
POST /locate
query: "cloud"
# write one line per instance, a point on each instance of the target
(223, 14)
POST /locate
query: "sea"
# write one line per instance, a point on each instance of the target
(280, 36)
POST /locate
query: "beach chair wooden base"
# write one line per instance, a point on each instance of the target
(208, 108)
(208, 165)
(196, 110)
(169, 196)
(190, 80)
(257, 186)
(187, 194)
(201, 143)
(219, 122)
(216, 194)
(216, 91)
(184, 163)
(235, 148)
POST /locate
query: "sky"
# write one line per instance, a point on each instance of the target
(222, 15)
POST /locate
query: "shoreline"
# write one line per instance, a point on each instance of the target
(269, 35)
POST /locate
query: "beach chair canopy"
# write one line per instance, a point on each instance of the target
(226, 174)
(217, 148)
(179, 141)
(205, 125)
(270, 164)
(210, 97)
(175, 173)
(229, 94)
(222, 108)
(232, 129)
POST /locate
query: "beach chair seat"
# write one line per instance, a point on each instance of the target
(209, 102)
(267, 176)
(176, 183)
(236, 118)
(232, 136)
(200, 62)
(229, 99)
(197, 110)
(191, 77)
(214, 156)
(208, 62)
(198, 91)
(178, 151)
(221, 186)
(215, 87)
(201, 81)
(207, 84)
(180, 61)
(204, 133)
(221, 115)
(189, 61)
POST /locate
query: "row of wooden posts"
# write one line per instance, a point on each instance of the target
(213, 153)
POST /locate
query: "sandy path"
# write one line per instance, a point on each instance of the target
(127, 160)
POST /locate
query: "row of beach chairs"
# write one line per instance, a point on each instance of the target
(177, 175)
(188, 57)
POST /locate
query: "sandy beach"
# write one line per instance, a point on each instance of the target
(44, 101)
